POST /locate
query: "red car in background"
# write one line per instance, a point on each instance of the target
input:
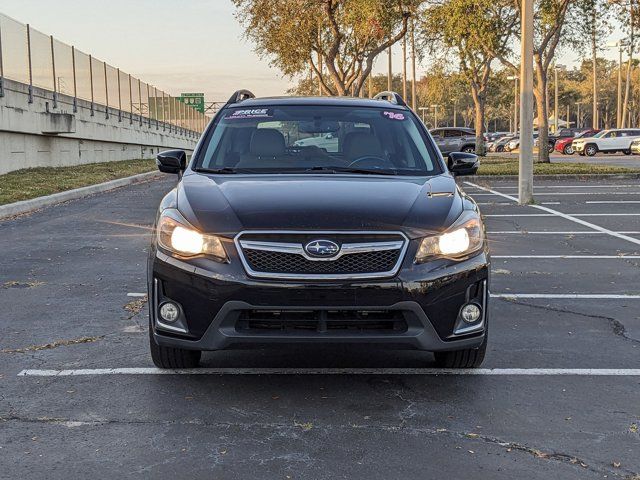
(564, 145)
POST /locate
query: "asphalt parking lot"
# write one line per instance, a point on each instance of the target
(566, 299)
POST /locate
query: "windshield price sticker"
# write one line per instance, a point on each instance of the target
(393, 115)
(250, 113)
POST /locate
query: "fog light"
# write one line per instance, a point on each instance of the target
(169, 312)
(471, 313)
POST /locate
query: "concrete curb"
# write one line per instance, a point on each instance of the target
(26, 206)
(598, 176)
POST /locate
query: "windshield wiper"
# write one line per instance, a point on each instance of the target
(224, 170)
(363, 171)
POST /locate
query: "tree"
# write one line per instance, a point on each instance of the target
(631, 19)
(476, 32)
(588, 34)
(338, 39)
(549, 22)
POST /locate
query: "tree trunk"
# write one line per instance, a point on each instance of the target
(479, 102)
(540, 92)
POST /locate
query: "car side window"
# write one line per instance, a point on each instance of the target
(610, 135)
(438, 134)
(452, 133)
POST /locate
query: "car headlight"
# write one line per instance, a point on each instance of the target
(178, 236)
(463, 238)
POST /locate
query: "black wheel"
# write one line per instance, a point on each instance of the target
(590, 150)
(467, 358)
(500, 148)
(169, 357)
(550, 148)
(568, 149)
(469, 149)
(627, 152)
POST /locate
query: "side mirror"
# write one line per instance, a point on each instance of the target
(172, 161)
(461, 163)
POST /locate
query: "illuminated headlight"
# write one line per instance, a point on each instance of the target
(463, 238)
(178, 236)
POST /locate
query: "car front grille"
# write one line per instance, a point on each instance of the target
(282, 255)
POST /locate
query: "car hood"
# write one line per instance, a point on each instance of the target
(228, 204)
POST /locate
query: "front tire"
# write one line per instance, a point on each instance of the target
(590, 150)
(568, 149)
(469, 149)
(627, 152)
(169, 357)
(467, 358)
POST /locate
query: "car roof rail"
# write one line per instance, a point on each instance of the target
(391, 97)
(240, 96)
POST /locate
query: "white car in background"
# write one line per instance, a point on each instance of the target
(609, 141)
(328, 141)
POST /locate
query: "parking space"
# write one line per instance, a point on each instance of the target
(565, 307)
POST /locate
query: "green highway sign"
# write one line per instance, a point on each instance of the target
(195, 100)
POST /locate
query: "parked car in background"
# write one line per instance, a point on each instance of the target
(452, 139)
(635, 147)
(493, 136)
(565, 145)
(500, 143)
(515, 143)
(608, 141)
(327, 141)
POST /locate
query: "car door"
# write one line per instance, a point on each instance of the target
(609, 141)
(453, 140)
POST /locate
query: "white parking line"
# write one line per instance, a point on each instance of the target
(135, 294)
(614, 201)
(559, 193)
(591, 372)
(576, 186)
(525, 232)
(575, 296)
(586, 257)
(565, 216)
(573, 214)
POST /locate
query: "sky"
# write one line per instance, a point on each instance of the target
(177, 46)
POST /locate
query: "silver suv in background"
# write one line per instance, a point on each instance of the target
(453, 139)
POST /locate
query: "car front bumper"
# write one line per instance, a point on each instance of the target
(221, 307)
(578, 147)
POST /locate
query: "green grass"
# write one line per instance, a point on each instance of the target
(37, 182)
(509, 166)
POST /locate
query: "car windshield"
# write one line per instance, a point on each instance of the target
(311, 139)
(599, 134)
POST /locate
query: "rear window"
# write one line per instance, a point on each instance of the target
(298, 139)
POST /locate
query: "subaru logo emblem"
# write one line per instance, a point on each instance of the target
(322, 248)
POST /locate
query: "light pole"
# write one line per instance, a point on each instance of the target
(620, 44)
(390, 73)
(515, 79)
(578, 121)
(435, 115)
(556, 106)
(455, 111)
(414, 100)
(525, 171)
(423, 109)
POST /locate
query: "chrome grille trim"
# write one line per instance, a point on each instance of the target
(298, 249)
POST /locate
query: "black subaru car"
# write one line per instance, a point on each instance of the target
(318, 220)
